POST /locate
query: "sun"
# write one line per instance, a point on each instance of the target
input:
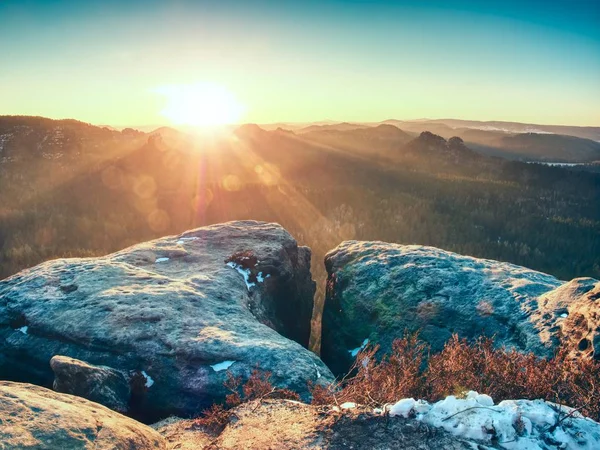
(200, 104)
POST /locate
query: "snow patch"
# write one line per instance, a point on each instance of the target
(183, 240)
(403, 407)
(222, 366)
(149, 380)
(355, 351)
(245, 273)
(161, 260)
(23, 329)
(260, 277)
(348, 405)
(317, 369)
(512, 424)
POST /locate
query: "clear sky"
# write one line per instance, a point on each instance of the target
(110, 62)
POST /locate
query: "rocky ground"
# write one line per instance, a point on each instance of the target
(285, 424)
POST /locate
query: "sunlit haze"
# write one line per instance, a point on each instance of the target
(201, 104)
(134, 63)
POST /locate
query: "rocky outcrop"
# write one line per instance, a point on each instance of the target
(284, 424)
(376, 291)
(37, 418)
(99, 384)
(172, 315)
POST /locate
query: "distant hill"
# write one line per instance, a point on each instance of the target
(592, 133)
(381, 140)
(513, 141)
(344, 126)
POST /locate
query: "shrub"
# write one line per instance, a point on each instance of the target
(257, 387)
(499, 372)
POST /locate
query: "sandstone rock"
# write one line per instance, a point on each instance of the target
(33, 417)
(174, 315)
(99, 384)
(571, 313)
(377, 290)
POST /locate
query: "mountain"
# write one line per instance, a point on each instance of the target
(344, 126)
(380, 141)
(23, 139)
(521, 142)
(592, 133)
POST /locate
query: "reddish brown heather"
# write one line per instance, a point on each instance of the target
(499, 372)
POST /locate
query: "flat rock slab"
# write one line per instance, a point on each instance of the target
(172, 315)
(376, 291)
(32, 417)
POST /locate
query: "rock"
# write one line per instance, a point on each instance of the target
(376, 291)
(284, 424)
(573, 308)
(33, 417)
(99, 384)
(174, 315)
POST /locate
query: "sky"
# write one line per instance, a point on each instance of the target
(118, 62)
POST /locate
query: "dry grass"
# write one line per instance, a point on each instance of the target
(498, 372)
(257, 387)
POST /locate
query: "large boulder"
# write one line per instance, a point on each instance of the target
(100, 384)
(33, 417)
(173, 315)
(376, 291)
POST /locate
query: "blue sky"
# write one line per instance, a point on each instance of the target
(104, 62)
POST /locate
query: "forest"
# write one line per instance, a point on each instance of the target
(108, 190)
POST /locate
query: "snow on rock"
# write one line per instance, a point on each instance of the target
(161, 260)
(183, 240)
(355, 351)
(244, 272)
(260, 277)
(318, 373)
(403, 407)
(512, 424)
(222, 366)
(149, 380)
(409, 406)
